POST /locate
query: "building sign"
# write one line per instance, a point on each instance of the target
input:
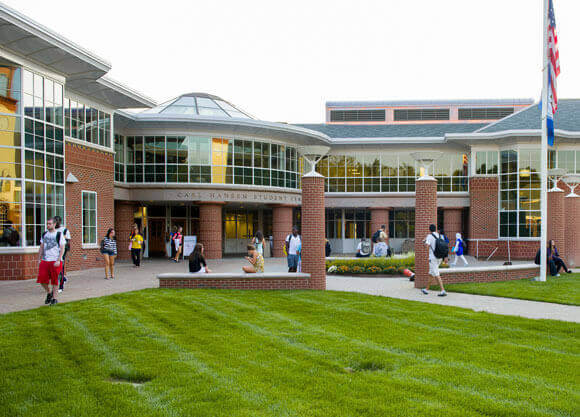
(245, 196)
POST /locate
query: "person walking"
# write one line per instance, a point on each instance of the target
(66, 233)
(172, 247)
(458, 250)
(109, 252)
(197, 262)
(438, 250)
(259, 242)
(255, 259)
(135, 246)
(178, 243)
(52, 245)
(291, 245)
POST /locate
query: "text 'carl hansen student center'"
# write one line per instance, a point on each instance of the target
(69, 146)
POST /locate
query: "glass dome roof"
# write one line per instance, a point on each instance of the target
(198, 104)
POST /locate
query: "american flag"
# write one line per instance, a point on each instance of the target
(553, 72)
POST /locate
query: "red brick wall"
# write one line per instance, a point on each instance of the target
(238, 284)
(483, 203)
(20, 266)
(95, 172)
(425, 215)
(452, 223)
(210, 229)
(281, 227)
(379, 216)
(572, 208)
(556, 220)
(313, 231)
(519, 249)
(124, 220)
(461, 276)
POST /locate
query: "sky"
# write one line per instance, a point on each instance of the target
(282, 60)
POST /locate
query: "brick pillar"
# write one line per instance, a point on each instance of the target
(572, 233)
(379, 216)
(483, 210)
(425, 215)
(452, 223)
(124, 219)
(281, 227)
(313, 239)
(210, 229)
(556, 220)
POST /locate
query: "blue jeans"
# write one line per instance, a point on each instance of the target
(292, 263)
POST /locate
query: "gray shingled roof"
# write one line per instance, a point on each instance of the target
(393, 131)
(567, 118)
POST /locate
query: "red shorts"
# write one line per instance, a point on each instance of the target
(48, 273)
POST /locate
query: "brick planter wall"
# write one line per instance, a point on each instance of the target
(459, 275)
(238, 284)
(281, 227)
(313, 230)
(556, 220)
(519, 249)
(425, 215)
(210, 229)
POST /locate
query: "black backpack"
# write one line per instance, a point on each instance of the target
(441, 248)
(538, 259)
(376, 236)
(67, 245)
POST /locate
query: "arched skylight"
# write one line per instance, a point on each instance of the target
(199, 105)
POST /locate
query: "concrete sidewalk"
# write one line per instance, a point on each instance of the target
(404, 289)
(26, 295)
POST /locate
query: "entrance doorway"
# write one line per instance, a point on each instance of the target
(157, 237)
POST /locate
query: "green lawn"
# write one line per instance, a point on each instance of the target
(251, 353)
(563, 290)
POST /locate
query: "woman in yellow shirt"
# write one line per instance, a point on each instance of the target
(135, 246)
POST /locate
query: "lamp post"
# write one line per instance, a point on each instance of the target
(556, 174)
(572, 181)
(426, 159)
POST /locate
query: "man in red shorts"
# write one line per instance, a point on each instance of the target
(52, 245)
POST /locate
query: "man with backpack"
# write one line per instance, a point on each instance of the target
(438, 250)
(65, 232)
(50, 254)
(363, 249)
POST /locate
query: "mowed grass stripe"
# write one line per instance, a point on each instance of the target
(236, 353)
(509, 383)
(523, 384)
(191, 355)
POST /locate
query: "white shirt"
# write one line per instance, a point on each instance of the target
(61, 230)
(51, 247)
(293, 243)
(431, 241)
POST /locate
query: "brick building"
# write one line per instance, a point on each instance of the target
(69, 146)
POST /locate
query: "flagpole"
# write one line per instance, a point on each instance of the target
(544, 154)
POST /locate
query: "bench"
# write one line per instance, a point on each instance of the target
(239, 281)
(457, 275)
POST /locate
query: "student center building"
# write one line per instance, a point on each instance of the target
(69, 146)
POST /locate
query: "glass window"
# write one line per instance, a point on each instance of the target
(89, 223)
(10, 212)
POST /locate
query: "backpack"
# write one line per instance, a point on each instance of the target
(441, 247)
(102, 245)
(537, 261)
(57, 237)
(67, 244)
(376, 236)
(365, 247)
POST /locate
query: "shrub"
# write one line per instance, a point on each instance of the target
(394, 265)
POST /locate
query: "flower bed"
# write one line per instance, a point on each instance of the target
(395, 265)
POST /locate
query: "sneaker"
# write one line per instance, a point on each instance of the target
(106, 277)
(59, 290)
(424, 291)
(48, 298)
(53, 301)
(557, 275)
(569, 271)
(442, 294)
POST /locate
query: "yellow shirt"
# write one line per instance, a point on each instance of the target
(136, 241)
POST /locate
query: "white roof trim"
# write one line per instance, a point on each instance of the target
(127, 91)
(36, 29)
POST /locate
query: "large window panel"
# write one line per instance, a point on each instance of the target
(89, 217)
